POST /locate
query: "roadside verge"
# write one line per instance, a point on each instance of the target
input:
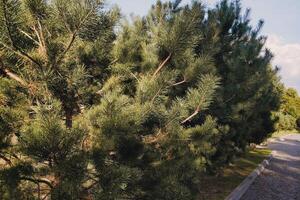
(240, 190)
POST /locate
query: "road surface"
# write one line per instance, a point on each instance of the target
(281, 179)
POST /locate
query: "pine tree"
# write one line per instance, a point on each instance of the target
(53, 53)
(91, 111)
(249, 85)
(146, 120)
(56, 47)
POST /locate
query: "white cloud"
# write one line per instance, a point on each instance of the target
(287, 57)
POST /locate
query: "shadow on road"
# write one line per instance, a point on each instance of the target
(281, 179)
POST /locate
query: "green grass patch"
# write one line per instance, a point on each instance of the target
(219, 187)
(279, 134)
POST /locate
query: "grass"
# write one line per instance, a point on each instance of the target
(279, 134)
(219, 187)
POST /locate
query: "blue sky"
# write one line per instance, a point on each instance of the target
(282, 26)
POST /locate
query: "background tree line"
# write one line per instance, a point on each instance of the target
(288, 116)
(91, 108)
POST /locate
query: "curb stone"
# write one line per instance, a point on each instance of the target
(240, 190)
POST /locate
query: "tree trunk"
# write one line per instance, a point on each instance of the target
(69, 118)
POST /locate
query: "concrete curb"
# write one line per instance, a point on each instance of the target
(240, 190)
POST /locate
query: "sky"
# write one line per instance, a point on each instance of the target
(282, 26)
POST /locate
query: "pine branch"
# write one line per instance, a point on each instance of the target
(17, 52)
(28, 35)
(204, 94)
(45, 197)
(31, 87)
(114, 61)
(228, 100)
(15, 48)
(44, 180)
(12, 75)
(92, 185)
(180, 82)
(156, 94)
(43, 41)
(8, 161)
(134, 76)
(162, 65)
(73, 37)
(37, 35)
(40, 35)
(15, 77)
(154, 138)
(192, 115)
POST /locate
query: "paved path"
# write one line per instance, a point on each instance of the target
(281, 179)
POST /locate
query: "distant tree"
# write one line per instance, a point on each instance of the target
(289, 110)
(290, 103)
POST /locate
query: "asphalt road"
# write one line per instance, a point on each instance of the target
(281, 179)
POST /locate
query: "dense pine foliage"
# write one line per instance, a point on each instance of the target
(92, 107)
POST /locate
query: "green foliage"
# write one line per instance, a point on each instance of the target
(48, 130)
(127, 129)
(291, 103)
(89, 110)
(10, 180)
(250, 88)
(12, 114)
(284, 122)
(53, 53)
(289, 112)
